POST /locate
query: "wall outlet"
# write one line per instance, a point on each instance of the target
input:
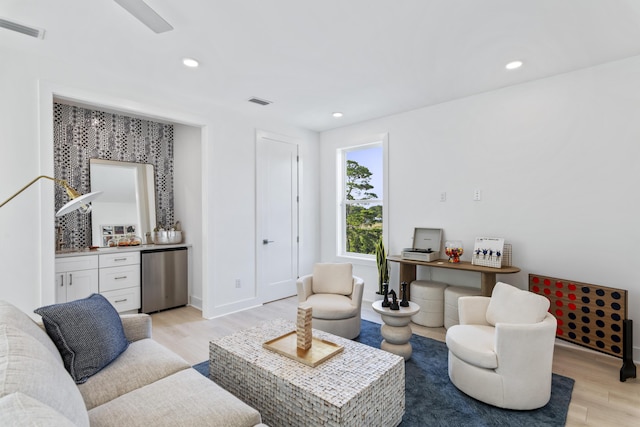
(477, 195)
(443, 196)
(238, 283)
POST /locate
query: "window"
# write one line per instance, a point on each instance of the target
(361, 190)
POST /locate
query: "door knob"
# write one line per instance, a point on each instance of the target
(266, 241)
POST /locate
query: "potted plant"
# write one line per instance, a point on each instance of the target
(383, 268)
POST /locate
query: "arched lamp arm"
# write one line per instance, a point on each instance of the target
(83, 201)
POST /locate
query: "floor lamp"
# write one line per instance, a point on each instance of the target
(77, 201)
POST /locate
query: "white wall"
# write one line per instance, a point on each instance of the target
(557, 163)
(226, 157)
(187, 189)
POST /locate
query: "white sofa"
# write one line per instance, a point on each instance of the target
(147, 385)
(501, 353)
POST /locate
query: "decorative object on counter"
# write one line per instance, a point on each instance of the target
(129, 240)
(385, 292)
(303, 327)
(405, 301)
(76, 201)
(119, 235)
(426, 245)
(507, 255)
(454, 250)
(383, 266)
(394, 303)
(488, 251)
(162, 236)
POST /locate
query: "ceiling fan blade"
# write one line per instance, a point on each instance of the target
(146, 15)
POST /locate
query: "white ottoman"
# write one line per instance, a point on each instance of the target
(429, 295)
(451, 295)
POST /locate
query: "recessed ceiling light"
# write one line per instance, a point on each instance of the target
(513, 65)
(337, 114)
(190, 62)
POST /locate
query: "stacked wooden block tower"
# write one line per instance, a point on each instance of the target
(304, 327)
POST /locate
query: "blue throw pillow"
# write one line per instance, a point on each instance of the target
(87, 332)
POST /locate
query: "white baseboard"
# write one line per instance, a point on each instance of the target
(195, 302)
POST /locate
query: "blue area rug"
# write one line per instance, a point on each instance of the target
(431, 399)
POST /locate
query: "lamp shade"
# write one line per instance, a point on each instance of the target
(80, 202)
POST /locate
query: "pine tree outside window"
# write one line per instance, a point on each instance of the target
(361, 210)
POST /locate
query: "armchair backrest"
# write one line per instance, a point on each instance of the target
(332, 278)
(509, 304)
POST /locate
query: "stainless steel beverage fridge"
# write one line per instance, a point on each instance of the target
(164, 279)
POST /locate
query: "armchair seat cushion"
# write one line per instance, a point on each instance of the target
(332, 306)
(474, 345)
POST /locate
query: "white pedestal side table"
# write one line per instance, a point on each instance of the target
(396, 330)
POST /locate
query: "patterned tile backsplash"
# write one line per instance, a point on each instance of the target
(81, 134)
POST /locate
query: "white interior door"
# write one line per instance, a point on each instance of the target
(277, 228)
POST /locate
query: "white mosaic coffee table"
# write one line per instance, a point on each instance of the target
(361, 386)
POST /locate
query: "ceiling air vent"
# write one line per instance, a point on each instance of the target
(260, 101)
(19, 28)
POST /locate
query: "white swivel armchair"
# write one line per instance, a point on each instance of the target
(501, 353)
(335, 296)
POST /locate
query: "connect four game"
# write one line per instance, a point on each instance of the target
(592, 316)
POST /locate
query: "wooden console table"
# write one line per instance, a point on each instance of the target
(487, 274)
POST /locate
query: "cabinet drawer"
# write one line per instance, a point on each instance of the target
(124, 299)
(121, 258)
(114, 278)
(76, 263)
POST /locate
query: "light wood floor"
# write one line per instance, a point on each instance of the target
(598, 399)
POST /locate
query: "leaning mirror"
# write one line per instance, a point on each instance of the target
(127, 205)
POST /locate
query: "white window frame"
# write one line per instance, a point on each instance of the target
(342, 202)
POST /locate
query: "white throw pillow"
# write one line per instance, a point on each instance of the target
(332, 279)
(509, 304)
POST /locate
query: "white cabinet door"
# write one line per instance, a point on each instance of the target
(81, 284)
(74, 285)
(76, 278)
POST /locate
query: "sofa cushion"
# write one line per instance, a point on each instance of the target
(475, 344)
(144, 362)
(88, 333)
(12, 316)
(185, 398)
(28, 367)
(509, 304)
(331, 278)
(18, 409)
(332, 306)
